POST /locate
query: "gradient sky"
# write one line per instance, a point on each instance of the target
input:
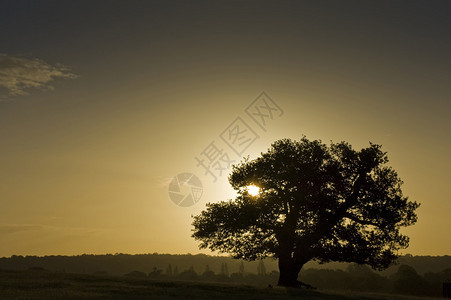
(102, 103)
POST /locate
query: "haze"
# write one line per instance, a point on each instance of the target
(103, 103)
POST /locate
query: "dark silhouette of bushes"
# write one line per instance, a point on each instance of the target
(136, 274)
(403, 279)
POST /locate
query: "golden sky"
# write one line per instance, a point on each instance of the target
(103, 103)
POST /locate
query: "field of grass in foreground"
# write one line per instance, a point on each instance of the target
(38, 284)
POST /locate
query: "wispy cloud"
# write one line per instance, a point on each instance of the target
(19, 74)
(161, 181)
(14, 228)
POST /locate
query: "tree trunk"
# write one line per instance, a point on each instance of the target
(289, 271)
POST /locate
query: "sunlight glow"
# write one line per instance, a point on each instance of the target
(253, 190)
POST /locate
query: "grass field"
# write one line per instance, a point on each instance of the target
(35, 284)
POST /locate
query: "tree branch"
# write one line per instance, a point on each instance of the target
(360, 221)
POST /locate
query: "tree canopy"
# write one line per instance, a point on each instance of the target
(316, 201)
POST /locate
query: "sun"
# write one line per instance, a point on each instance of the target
(253, 190)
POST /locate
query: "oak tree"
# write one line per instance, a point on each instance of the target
(316, 201)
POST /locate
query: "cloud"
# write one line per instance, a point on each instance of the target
(18, 74)
(162, 181)
(13, 228)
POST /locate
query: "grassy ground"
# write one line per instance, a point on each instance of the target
(48, 285)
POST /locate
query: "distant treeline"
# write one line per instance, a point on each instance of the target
(118, 264)
(414, 275)
(360, 278)
(405, 280)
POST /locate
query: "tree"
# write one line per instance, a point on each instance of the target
(169, 270)
(224, 269)
(327, 203)
(241, 269)
(407, 281)
(208, 274)
(189, 274)
(261, 270)
(155, 272)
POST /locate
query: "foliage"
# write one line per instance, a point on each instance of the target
(407, 281)
(328, 203)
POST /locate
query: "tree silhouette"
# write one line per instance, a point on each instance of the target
(155, 272)
(241, 269)
(261, 269)
(328, 203)
(407, 281)
(169, 270)
(224, 269)
(208, 274)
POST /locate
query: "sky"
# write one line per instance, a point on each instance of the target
(104, 103)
